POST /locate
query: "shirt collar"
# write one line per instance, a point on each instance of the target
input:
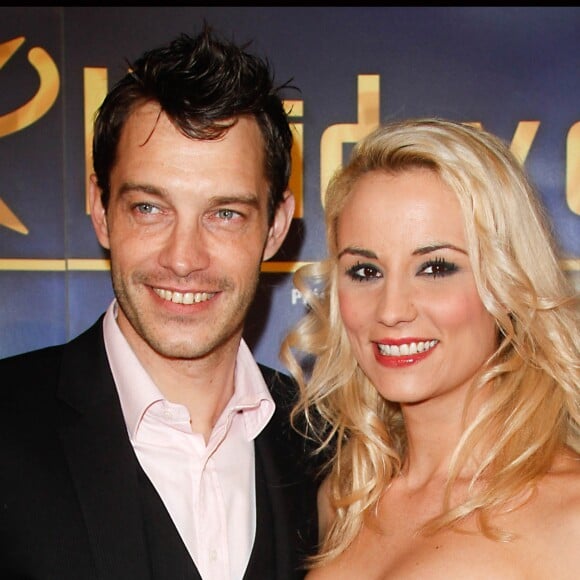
(137, 391)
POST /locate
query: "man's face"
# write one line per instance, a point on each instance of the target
(187, 231)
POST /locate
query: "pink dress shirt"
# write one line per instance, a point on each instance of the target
(208, 490)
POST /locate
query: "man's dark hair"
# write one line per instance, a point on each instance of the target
(202, 84)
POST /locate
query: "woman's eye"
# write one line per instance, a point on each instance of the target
(438, 267)
(362, 272)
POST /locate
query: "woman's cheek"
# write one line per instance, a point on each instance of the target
(351, 309)
(458, 308)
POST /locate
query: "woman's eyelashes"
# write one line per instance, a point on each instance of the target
(437, 267)
(434, 268)
(361, 272)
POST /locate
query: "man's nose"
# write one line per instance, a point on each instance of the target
(185, 250)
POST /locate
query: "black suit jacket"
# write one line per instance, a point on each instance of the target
(72, 493)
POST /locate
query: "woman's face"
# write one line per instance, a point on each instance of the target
(406, 288)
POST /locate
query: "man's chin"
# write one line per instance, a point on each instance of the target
(186, 349)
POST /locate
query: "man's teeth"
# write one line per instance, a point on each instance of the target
(183, 297)
(406, 349)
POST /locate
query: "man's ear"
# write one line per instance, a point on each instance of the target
(98, 213)
(280, 226)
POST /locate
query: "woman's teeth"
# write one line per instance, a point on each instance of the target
(406, 349)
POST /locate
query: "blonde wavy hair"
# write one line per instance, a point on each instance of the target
(533, 410)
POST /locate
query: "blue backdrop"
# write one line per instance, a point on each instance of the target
(515, 71)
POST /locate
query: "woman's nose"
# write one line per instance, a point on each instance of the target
(397, 303)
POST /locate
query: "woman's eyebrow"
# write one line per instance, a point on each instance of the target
(421, 251)
(357, 252)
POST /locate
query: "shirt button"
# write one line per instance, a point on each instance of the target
(212, 555)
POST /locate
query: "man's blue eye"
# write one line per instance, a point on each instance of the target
(146, 208)
(227, 214)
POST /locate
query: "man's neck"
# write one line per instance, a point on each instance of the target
(204, 385)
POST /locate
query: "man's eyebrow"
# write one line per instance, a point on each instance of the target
(244, 198)
(128, 186)
(249, 199)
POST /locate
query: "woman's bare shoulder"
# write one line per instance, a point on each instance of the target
(557, 519)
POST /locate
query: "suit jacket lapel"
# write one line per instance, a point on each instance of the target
(101, 459)
(285, 494)
(273, 547)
